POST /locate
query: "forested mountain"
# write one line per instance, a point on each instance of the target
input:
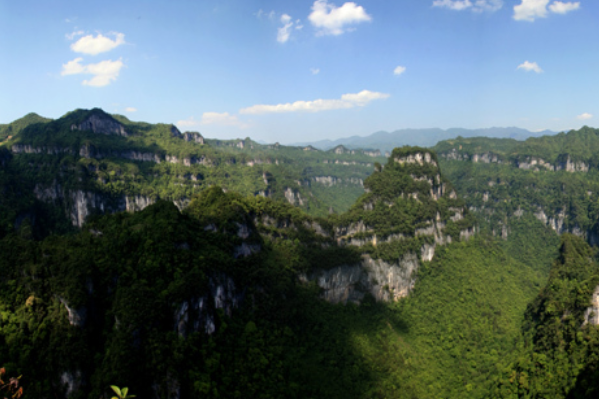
(90, 161)
(184, 267)
(386, 141)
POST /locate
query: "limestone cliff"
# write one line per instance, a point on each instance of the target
(408, 210)
(100, 123)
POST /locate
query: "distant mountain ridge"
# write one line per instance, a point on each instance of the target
(386, 141)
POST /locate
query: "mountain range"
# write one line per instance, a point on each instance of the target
(134, 254)
(386, 141)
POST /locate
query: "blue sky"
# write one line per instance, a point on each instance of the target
(293, 71)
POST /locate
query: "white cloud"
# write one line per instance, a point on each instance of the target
(103, 72)
(332, 20)
(130, 109)
(528, 10)
(584, 116)
(350, 100)
(74, 34)
(453, 4)
(476, 6)
(487, 5)
(73, 67)
(95, 45)
(298, 24)
(285, 30)
(530, 66)
(314, 71)
(399, 70)
(560, 7)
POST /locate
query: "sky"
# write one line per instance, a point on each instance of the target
(296, 71)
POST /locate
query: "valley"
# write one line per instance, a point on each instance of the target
(181, 266)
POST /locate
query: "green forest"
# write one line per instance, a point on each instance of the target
(140, 256)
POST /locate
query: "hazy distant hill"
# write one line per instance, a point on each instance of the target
(386, 141)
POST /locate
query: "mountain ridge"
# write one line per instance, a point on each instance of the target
(426, 137)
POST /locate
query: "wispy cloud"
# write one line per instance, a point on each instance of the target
(74, 34)
(103, 73)
(130, 109)
(473, 5)
(529, 10)
(99, 44)
(329, 19)
(584, 116)
(315, 71)
(399, 70)
(530, 66)
(284, 31)
(261, 13)
(350, 100)
(560, 7)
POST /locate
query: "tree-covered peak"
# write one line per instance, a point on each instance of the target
(16, 126)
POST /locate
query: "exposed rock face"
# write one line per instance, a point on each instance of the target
(29, 149)
(245, 250)
(391, 281)
(137, 203)
(372, 153)
(83, 203)
(199, 314)
(141, 156)
(80, 204)
(348, 163)
(71, 381)
(293, 197)
(419, 158)
(330, 181)
(556, 223)
(485, 158)
(385, 281)
(342, 150)
(101, 124)
(193, 137)
(533, 163)
(525, 162)
(570, 166)
(76, 316)
(591, 315)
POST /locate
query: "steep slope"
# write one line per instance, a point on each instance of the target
(558, 353)
(552, 179)
(224, 298)
(409, 209)
(207, 303)
(89, 162)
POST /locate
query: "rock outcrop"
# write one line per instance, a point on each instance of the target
(199, 314)
(368, 228)
(102, 124)
(591, 315)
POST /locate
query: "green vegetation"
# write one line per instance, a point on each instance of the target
(213, 301)
(558, 351)
(17, 126)
(156, 161)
